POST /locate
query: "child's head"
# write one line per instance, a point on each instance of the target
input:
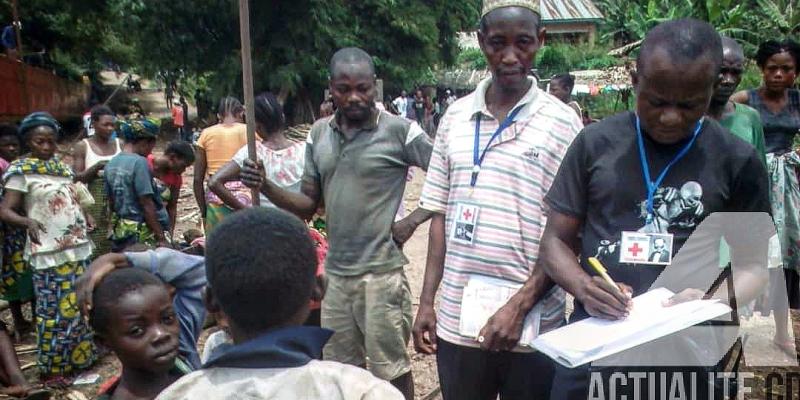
(269, 114)
(260, 265)
(561, 86)
(132, 315)
(179, 155)
(9, 142)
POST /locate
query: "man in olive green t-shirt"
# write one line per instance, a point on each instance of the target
(356, 165)
(743, 121)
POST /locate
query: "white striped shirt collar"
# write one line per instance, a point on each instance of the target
(479, 101)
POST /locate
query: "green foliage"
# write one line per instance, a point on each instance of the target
(77, 36)
(749, 21)
(472, 58)
(628, 20)
(605, 104)
(751, 77)
(780, 18)
(293, 41)
(560, 58)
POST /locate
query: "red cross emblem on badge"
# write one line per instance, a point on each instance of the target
(635, 249)
(467, 215)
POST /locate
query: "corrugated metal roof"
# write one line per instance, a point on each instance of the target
(569, 10)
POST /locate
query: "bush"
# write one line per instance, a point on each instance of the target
(472, 59)
(751, 78)
(562, 57)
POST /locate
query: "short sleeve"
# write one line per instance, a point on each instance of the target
(202, 142)
(758, 135)
(142, 179)
(417, 147)
(240, 156)
(568, 192)
(750, 192)
(436, 190)
(178, 269)
(310, 170)
(18, 183)
(750, 199)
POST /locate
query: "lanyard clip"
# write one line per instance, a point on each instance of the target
(476, 169)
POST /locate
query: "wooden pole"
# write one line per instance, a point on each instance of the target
(247, 80)
(15, 16)
(20, 59)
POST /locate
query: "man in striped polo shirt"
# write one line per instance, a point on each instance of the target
(494, 158)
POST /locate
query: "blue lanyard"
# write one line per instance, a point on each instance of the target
(477, 159)
(653, 186)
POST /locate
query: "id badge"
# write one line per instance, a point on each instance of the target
(646, 248)
(465, 224)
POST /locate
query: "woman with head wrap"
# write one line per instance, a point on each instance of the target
(138, 214)
(41, 197)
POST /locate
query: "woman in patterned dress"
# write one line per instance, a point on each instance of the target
(41, 197)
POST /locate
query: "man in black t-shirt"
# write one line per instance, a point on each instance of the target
(600, 198)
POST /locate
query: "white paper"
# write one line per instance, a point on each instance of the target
(86, 379)
(594, 338)
(482, 297)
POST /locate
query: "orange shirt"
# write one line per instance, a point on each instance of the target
(221, 142)
(177, 115)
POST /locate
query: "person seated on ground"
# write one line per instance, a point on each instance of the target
(138, 214)
(10, 373)
(167, 170)
(127, 299)
(260, 266)
(561, 86)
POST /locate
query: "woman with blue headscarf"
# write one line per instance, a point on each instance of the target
(138, 214)
(41, 197)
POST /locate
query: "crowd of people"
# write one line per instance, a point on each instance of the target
(517, 189)
(426, 106)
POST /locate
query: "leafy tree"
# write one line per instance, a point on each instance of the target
(293, 40)
(750, 21)
(779, 18)
(76, 36)
(629, 20)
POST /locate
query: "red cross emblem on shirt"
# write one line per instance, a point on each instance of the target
(635, 249)
(467, 215)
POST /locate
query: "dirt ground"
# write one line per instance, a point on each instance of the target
(424, 367)
(757, 328)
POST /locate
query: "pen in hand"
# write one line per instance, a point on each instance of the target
(601, 270)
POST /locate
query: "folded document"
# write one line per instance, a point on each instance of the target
(482, 297)
(594, 338)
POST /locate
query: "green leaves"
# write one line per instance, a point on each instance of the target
(749, 21)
